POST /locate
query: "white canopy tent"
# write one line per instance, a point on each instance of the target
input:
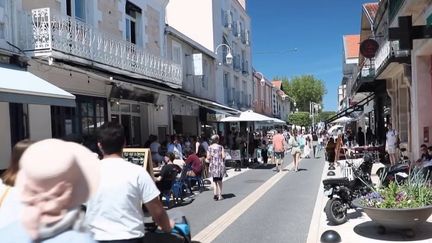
(249, 116)
(343, 120)
(334, 128)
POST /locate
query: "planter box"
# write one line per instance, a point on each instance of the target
(399, 218)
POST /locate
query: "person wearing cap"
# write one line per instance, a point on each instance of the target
(114, 214)
(54, 179)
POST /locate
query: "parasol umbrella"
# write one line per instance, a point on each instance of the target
(334, 128)
(343, 120)
(248, 116)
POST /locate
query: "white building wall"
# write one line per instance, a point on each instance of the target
(421, 98)
(201, 20)
(193, 18)
(39, 122)
(161, 117)
(5, 142)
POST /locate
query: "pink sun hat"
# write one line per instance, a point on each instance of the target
(49, 162)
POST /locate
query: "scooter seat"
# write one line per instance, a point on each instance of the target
(336, 181)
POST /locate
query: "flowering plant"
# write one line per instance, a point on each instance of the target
(415, 192)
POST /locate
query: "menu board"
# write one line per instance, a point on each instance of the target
(141, 157)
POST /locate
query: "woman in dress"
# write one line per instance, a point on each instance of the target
(308, 146)
(215, 156)
(295, 149)
(339, 144)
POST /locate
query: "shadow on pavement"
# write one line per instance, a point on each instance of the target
(372, 230)
(351, 215)
(262, 166)
(229, 195)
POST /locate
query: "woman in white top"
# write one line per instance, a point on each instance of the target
(391, 143)
(295, 149)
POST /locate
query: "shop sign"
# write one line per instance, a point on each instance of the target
(368, 48)
(198, 64)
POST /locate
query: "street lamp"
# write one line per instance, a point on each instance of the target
(229, 56)
(262, 81)
(293, 100)
(312, 107)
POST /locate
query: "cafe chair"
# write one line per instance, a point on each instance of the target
(196, 179)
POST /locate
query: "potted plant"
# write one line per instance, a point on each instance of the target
(399, 205)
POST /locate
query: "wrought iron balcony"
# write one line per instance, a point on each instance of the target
(389, 52)
(365, 75)
(47, 33)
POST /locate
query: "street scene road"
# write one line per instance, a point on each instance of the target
(283, 211)
(120, 117)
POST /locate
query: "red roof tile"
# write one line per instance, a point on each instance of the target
(277, 83)
(351, 45)
(371, 10)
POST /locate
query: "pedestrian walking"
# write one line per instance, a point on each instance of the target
(360, 137)
(338, 147)
(279, 149)
(215, 156)
(52, 186)
(115, 212)
(392, 143)
(295, 149)
(308, 146)
(315, 142)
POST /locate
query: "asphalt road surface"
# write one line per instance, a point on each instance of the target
(278, 206)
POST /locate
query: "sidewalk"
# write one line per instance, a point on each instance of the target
(359, 227)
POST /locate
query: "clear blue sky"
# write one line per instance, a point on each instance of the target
(314, 27)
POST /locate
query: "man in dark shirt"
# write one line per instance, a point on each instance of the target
(168, 174)
(360, 137)
(193, 164)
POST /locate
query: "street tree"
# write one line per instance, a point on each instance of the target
(304, 89)
(300, 119)
(325, 115)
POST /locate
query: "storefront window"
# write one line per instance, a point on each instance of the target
(89, 114)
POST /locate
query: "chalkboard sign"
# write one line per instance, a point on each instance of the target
(141, 157)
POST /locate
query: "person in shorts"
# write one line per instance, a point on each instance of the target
(279, 149)
(295, 149)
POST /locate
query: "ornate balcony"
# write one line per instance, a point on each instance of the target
(365, 76)
(65, 38)
(388, 53)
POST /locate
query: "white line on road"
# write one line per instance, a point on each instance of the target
(210, 233)
(314, 228)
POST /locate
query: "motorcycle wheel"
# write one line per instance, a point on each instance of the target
(334, 212)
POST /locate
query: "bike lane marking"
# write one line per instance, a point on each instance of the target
(210, 233)
(315, 225)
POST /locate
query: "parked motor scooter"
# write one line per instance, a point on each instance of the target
(342, 191)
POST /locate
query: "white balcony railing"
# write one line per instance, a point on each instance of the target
(387, 50)
(53, 34)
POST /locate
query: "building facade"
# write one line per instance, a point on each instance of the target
(110, 55)
(222, 27)
(262, 102)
